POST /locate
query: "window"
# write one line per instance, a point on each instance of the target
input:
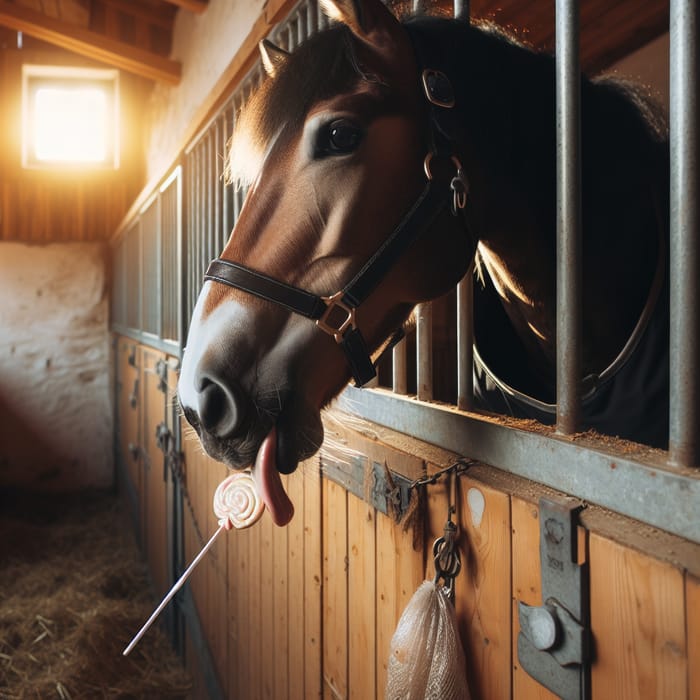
(70, 117)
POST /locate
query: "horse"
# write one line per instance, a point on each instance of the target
(382, 158)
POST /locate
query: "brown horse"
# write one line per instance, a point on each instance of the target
(380, 155)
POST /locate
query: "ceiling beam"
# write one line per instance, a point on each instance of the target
(90, 44)
(197, 6)
(164, 17)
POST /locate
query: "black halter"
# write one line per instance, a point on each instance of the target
(335, 314)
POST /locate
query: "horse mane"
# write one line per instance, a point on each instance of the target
(320, 67)
(509, 76)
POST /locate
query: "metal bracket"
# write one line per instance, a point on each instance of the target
(134, 451)
(162, 374)
(554, 639)
(164, 439)
(353, 475)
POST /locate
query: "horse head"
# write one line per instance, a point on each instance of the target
(344, 229)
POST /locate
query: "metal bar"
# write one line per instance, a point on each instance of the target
(312, 18)
(215, 184)
(181, 257)
(568, 92)
(657, 494)
(323, 21)
(465, 298)
(424, 350)
(157, 308)
(465, 341)
(208, 184)
(684, 394)
(301, 26)
(399, 370)
(236, 193)
(460, 9)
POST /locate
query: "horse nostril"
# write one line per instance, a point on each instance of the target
(221, 410)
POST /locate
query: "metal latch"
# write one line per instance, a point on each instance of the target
(554, 639)
(163, 441)
(161, 370)
(134, 395)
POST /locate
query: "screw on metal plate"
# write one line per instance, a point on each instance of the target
(553, 644)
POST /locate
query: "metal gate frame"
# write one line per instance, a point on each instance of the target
(663, 491)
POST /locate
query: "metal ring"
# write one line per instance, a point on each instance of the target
(429, 157)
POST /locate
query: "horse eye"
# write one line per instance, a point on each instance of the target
(339, 137)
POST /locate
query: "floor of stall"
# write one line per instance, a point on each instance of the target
(73, 591)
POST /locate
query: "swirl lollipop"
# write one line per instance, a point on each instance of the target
(236, 505)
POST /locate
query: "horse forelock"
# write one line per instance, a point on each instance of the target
(321, 67)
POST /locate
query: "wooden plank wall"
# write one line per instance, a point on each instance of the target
(308, 611)
(142, 406)
(641, 604)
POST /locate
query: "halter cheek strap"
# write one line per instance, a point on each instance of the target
(335, 315)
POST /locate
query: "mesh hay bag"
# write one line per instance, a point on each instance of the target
(426, 659)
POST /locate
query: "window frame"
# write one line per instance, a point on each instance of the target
(36, 77)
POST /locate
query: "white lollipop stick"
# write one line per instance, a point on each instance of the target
(236, 504)
(169, 595)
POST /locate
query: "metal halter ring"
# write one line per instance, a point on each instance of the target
(459, 183)
(332, 303)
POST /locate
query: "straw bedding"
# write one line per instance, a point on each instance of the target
(73, 591)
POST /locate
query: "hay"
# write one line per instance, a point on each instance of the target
(73, 591)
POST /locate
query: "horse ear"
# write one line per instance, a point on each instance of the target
(273, 57)
(368, 19)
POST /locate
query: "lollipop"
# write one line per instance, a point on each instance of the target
(236, 505)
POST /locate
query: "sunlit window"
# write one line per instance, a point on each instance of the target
(70, 117)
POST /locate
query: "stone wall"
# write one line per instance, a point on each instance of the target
(55, 409)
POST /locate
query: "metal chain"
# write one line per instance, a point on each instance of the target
(446, 556)
(459, 467)
(174, 461)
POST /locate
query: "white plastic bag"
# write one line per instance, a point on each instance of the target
(427, 660)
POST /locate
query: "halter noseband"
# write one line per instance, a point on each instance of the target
(335, 314)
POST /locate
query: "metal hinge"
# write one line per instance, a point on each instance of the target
(554, 639)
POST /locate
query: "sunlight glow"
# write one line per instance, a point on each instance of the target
(70, 117)
(70, 124)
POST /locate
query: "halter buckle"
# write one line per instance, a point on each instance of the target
(332, 303)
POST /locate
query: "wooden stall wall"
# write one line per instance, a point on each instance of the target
(309, 611)
(143, 437)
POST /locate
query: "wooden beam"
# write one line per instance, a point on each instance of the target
(197, 6)
(89, 43)
(164, 17)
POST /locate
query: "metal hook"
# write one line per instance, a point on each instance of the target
(446, 559)
(460, 189)
(445, 552)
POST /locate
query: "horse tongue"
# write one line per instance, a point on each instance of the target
(269, 483)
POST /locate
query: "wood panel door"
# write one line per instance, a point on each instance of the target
(128, 400)
(156, 479)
